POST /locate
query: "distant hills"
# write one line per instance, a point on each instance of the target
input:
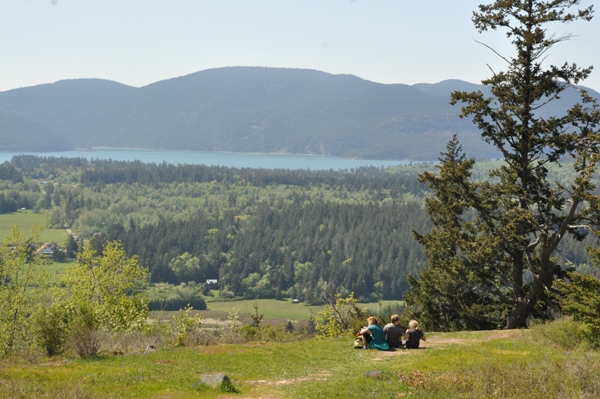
(244, 109)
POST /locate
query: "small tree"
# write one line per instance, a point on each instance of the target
(581, 296)
(72, 247)
(340, 316)
(22, 285)
(111, 284)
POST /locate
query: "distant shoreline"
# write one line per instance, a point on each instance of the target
(217, 158)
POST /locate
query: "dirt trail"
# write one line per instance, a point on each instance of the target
(442, 341)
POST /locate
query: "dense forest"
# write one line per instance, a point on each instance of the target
(261, 233)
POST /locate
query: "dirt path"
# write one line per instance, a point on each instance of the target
(443, 340)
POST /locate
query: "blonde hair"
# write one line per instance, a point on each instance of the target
(372, 320)
(413, 324)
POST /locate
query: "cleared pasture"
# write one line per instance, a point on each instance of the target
(25, 220)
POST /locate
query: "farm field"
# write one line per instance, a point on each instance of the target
(25, 220)
(270, 308)
(505, 364)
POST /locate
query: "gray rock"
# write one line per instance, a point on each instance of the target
(214, 380)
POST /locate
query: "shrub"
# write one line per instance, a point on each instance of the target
(166, 297)
(339, 317)
(50, 329)
(83, 334)
(567, 333)
(186, 325)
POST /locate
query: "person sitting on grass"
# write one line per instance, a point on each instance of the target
(413, 335)
(373, 335)
(393, 333)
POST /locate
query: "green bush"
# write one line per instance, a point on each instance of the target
(50, 329)
(567, 333)
(83, 334)
(167, 297)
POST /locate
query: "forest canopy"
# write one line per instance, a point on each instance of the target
(260, 233)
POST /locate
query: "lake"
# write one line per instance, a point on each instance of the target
(237, 160)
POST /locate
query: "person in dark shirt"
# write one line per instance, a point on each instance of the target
(393, 333)
(413, 335)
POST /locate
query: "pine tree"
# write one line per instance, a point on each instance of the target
(519, 216)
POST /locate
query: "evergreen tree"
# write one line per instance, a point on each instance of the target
(519, 217)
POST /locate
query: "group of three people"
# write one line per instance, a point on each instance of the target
(390, 336)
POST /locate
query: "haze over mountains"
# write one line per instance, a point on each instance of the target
(245, 109)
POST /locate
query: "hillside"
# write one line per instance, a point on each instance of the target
(491, 364)
(21, 134)
(247, 109)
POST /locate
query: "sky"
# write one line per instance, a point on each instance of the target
(138, 42)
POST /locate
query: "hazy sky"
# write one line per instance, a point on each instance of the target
(137, 42)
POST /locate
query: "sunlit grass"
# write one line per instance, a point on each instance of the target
(511, 364)
(270, 308)
(25, 220)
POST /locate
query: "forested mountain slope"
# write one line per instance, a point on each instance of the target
(21, 134)
(248, 109)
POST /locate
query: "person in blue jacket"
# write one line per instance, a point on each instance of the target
(373, 335)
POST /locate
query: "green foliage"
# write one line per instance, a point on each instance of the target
(456, 292)
(186, 324)
(111, 284)
(492, 254)
(22, 285)
(163, 296)
(187, 268)
(581, 299)
(83, 329)
(568, 333)
(256, 317)
(341, 316)
(50, 329)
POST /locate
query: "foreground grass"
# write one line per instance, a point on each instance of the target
(458, 365)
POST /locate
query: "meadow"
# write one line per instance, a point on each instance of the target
(485, 364)
(25, 220)
(283, 310)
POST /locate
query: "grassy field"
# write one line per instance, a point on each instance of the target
(279, 311)
(271, 308)
(491, 364)
(25, 220)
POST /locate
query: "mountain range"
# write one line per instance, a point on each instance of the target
(246, 109)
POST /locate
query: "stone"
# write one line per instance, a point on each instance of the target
(214, 380)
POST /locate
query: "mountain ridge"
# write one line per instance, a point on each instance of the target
(250, 109)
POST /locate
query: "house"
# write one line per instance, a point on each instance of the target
(46, 249)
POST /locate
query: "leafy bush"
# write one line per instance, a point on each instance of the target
(186, 325)
(83, 334)
(50, 329)
(567, 333)
(167, 297)
(340, 316)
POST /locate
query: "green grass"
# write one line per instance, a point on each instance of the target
(270, 308)
(25, 220)
(281, 310)
(502, 364)
(55, 269)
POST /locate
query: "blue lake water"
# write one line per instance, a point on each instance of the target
(237, 160)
